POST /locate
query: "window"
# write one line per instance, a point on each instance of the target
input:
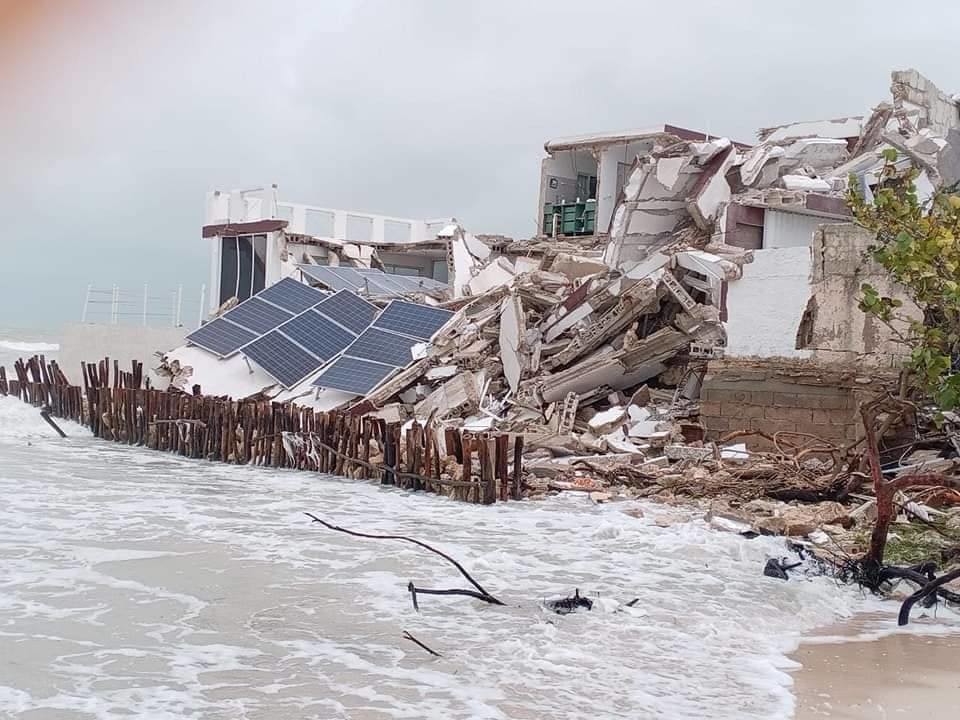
(402, 270)
(243, 266)
(440, 271)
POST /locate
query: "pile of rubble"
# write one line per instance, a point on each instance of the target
(595, 348)
(598, 350)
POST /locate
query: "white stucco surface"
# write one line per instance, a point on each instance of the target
(88, 342)
(765, 306)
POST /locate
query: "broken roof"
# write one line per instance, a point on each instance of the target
(617, 137)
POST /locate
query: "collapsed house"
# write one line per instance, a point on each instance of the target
(680, 287)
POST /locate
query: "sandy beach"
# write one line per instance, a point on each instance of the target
(849, 673)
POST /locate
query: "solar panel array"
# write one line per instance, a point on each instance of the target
(254, 317)
(292, 295)
(282, 358)
(419, 321)
(353, 375)
(318, 334)
(369, 281)
(383, 348)
(353, 312)
(221, 337)
(291, 330)
(257, 315)
(303, 344)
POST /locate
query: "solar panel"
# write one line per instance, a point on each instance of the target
(353, 375)
(221, 337)
(323, 274)
(419, 321)
(353, 312)
(384, 284)
(292, 295)
(281, 358)
(317, 334)
(257, 316)
(371, 280)
(349, 275)
(383, 347)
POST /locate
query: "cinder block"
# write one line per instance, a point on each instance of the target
(791, 414)
(726, 396)
(714, 424)
(762, 397)
(831, 433)
(734, 410)
(712, 409)
(772, 426)
(827, 417)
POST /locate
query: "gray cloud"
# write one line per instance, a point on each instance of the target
(122, 114)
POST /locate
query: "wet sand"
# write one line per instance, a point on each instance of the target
(899, 675)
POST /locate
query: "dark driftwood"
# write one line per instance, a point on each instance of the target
(411, 638)
(482, 595)
(45, 414)
(926, 590)
(414, 590)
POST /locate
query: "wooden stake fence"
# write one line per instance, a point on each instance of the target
(473, 467)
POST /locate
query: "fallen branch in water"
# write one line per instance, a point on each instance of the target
(413, 589)
(928, 589)
(481, 595)
(411, 638)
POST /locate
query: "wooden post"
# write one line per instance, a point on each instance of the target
(518, 467)
(503, 448)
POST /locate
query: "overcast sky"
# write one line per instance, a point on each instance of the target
(116, 117)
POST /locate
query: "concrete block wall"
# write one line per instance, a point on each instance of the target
(783, 396)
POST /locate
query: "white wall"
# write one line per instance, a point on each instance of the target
(125, 343)
(787, 229)
(607, 189)
(765, 306)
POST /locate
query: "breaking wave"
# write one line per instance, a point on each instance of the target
(130, 568)
(28, 347)
(20, 421)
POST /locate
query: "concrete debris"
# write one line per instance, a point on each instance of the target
(617, 339)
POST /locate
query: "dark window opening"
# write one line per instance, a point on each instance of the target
(805, 331)
(243, 266)
(245, 274)
(228, 268)
(403, 270)
(259, 263)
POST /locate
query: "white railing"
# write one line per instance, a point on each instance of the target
(327, 223)
(359, 227)
(117, 306)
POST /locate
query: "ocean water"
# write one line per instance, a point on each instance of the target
(136, 584)
(15, 344)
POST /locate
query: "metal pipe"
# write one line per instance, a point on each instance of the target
(86, 302)
(179, 305)
(203, 299)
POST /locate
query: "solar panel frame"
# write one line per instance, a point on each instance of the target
(282, 358)
(317, 334)
(257, 316)
(371, 280)
(384, 284)
(349, 310)
(292, 295)
(382, 346)
(419, 321)
(221, 337)
(323, 274)
(354, 375)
